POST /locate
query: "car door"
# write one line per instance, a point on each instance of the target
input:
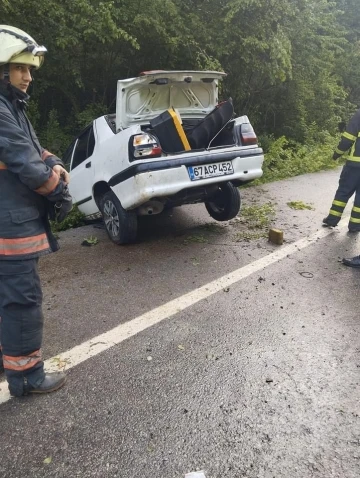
(81, 172)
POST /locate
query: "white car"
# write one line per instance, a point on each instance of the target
(170, 143)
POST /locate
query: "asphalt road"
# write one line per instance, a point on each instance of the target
(254, 375)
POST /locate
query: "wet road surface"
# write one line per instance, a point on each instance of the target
(257, 380)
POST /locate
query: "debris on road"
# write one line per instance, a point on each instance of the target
(61, 363)
(276, 236)
(257, 219)
(90, 241)
(299, 205)
(307, 275)
(195, 474)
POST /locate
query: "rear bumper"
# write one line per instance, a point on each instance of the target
(189, 159)
(164, 178)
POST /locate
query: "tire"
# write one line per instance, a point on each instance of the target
(225, 204)
(121, 225)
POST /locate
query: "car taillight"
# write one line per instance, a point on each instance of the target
(247, 134)
(144, 145)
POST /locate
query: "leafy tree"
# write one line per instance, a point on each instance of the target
(293, 65)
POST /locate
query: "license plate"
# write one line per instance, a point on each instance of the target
(210, 170)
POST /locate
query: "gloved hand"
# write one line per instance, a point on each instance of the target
(60, 209)
(62, 173)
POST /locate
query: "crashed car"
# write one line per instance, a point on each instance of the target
(170, 142)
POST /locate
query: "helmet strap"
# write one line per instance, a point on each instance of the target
(6, 71)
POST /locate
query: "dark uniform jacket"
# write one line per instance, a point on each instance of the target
(349, 145)
(27, 183)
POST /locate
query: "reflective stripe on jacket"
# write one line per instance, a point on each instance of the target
(349, 145)
(26, 178)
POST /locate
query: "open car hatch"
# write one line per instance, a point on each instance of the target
(192, 93)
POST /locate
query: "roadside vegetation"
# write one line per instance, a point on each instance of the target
(74, 219)
(285, 158)
(293, 65)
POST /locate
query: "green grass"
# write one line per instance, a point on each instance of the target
(195, 238)
(258, 216)
(299, 205)
(257, 219)
(248, 236)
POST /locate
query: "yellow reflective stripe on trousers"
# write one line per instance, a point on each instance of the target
(349, 136)
(356, 209)
(339, 203)
(353, 219)
(335, 213)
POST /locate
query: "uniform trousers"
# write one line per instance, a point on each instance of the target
(21, 325)
(349, 183)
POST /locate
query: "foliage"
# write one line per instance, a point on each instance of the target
(93, 110)
(74, 219)
(285, 158)
(348, 17)
(257, 219)
(290, 63)
(90, 241)
(52, 137)
(258, 216)
(195, 238)
(299, 205)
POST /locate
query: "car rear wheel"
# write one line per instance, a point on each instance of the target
(225, 204)
(121, 225)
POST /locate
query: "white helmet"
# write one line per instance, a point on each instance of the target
(16, 46)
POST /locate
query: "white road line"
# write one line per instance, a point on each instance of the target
(105, 341)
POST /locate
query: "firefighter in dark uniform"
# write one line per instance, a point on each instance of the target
(349, 182)
(352, 262)
(32, 183)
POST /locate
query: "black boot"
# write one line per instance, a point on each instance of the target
(353, 228)
(20, 386)
(330, 221)
(52, 381)
(353, 262)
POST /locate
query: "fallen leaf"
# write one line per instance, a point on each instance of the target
(48, 460)
(90, 241)
(61, 363)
